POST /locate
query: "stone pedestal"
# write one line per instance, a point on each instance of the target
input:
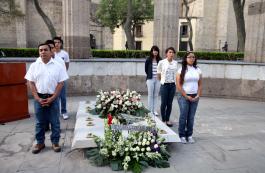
(76, 15)
(96, 127)
(255, 31)
(166, 24)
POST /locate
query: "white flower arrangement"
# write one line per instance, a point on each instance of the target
(138, 150)
(116, 102)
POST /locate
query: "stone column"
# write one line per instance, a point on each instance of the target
(21, 29)
(166, 24)
(255, 31)
(76, 16)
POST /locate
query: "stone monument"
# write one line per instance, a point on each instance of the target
(166, 24)
(76, 15)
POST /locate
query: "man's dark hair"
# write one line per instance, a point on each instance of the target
(43, 44)
(170, 48)
(58, 38)
(50, 42)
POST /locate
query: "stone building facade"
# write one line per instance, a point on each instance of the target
(26, 28)
(213, 23)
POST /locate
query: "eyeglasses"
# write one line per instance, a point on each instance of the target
(193, 57)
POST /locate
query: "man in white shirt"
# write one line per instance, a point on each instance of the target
(45, 78)
(60, 53)
(61, 62)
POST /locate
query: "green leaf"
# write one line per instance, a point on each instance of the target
(116, 165)
(136, 167)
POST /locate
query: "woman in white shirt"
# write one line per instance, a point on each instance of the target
(189, 84)
(166, 73)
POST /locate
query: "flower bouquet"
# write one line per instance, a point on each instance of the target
(139, 150)
(116, 102)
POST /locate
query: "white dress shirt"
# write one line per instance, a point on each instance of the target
(46, 76)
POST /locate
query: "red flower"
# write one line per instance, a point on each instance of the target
(110, 119)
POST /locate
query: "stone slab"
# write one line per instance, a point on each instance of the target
(80, 139)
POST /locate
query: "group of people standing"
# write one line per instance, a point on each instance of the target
(164, 76)
(47, 80)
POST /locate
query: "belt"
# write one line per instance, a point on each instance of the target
(172, 83)
(45, 96)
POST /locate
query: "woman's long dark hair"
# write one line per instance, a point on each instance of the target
(184, 66)
(154, 48)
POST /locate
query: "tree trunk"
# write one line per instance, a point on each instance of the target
(127, 26)
(45, 19)
(189, 24)
(240, 22)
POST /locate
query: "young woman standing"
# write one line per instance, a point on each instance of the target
(153, 84)
(189, 84)
(166, 72)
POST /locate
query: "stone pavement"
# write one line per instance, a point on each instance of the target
(230, 137)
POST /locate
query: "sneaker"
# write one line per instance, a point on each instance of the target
(191, 140)
(183, 140)
(65, 116)
(155, 113)
(56, 148)
(37, 148)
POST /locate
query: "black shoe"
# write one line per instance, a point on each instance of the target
(169, 124)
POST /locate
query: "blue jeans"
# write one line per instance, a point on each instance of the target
(167, 91)
(186, 117)
(62, 98)
(153, 86)
(47, 114)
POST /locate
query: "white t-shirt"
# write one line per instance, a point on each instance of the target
(192, 76)
(46, 76)
(63, 55)
(168, 71)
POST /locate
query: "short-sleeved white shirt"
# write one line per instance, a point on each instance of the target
(59, 60)
(192, 76)
(46, 76)
(168, 71)
(63, 55)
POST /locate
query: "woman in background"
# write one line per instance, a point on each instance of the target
(153, 84)
(189, 84)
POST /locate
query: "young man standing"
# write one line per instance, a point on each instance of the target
(60, 53)
(45, 78)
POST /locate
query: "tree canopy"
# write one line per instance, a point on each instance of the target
(125, 13)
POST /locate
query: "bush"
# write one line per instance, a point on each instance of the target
(20, 52)
(33, 52)
(231, 56)
(119, 53)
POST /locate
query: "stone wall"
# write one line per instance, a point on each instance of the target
(35, 31)
(220, 79)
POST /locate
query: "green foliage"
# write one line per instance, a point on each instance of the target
(120, 53)
(136, 167)
(231, 56)
(113, 13)
(95, 157)
(33, 52)
(20, 52)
